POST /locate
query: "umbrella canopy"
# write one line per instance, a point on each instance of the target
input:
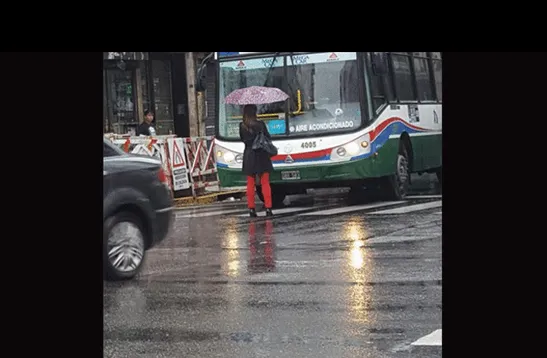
(256, 95)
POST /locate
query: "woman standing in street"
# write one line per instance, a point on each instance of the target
(255, 162)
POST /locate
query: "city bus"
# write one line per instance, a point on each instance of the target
(363, 120)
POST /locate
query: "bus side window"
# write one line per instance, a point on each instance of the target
(424, 85)
(403, 77)
(438, 74)
(381, 85)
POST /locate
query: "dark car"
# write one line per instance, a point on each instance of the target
(137, 210)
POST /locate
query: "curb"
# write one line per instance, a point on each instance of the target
(207, 198)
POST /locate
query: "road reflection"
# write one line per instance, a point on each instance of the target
(358, 269)
(231, 256)
(261, 247)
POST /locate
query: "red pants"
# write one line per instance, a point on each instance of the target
(266, 190)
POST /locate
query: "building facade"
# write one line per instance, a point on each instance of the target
(134, 82)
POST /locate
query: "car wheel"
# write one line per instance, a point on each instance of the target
(123, 246)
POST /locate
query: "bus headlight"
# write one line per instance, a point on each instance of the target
(352, 148)
(229, 157)
(355, 149)
(226, 157)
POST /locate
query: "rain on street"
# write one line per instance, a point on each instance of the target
(322, 278)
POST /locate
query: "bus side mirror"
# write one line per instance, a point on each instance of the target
(379, 63)
(201, 78)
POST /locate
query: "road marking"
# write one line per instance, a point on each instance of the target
(414, 197)
(433, 339)
(410, 208)
(210, 213)
(281, 211)
(213, 206)
(401, 347)
(353, 208)
(395, 239)
(198, 212)
(164, 210)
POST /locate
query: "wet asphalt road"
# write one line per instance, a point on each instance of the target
(320, 279)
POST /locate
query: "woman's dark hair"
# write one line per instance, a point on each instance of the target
(249, 115)
(147, 112)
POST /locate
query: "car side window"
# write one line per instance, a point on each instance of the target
(109, 151)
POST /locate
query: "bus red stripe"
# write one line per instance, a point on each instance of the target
(308, 155)
(387, 122)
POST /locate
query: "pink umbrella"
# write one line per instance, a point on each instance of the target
(256, 95)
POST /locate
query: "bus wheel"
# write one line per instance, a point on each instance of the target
(396, 185)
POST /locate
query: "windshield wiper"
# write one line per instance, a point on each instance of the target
(270, 69)
(295, 77)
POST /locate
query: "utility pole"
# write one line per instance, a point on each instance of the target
(193, 116)
(201, 113)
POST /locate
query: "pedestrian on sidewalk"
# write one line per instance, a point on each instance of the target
(255, 162)
(146, 128)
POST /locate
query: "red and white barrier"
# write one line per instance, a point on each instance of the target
(203, 167)
(179, 164)
(154, 147)
(187, 162)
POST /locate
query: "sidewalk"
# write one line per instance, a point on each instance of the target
(213, 194)
(216, 189)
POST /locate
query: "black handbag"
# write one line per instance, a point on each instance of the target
(261, 142)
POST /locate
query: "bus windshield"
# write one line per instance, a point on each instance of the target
(324, 93)
(245, 73)
(322, 88)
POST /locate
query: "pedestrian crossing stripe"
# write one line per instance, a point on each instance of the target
(353, 208)
(209, 213)
(420, 197)
(282, 211)
(410, 208)
(390, 207)
(433, 339)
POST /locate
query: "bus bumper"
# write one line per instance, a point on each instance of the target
(328, 174)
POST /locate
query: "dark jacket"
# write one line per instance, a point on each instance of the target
(254, 162)
(146, 129)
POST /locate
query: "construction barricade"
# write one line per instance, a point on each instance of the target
(188, 163)
(150, 146)
(203, 168)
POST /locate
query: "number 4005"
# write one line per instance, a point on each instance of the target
(309, 145)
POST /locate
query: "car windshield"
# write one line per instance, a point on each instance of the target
(322, 87)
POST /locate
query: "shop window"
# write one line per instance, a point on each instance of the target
(120, 96)
(163, 100)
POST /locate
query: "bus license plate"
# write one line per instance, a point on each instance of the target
(290, 175)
